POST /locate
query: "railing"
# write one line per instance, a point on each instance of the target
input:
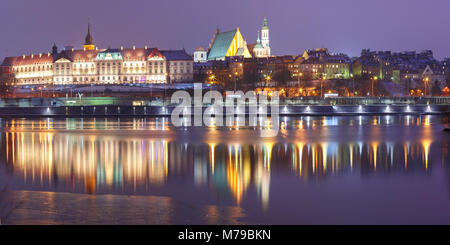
(368, 100)
(136, 101)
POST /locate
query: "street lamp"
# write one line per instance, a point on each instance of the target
(211, 81)
(300, 74)
(407, 84)
(211, 78)
(426, 80)
(235, 80)
(167, 78)
(353, 84)
(268, 78)
(321, 86)
(373, 79)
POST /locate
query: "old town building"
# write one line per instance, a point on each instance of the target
(92, 65)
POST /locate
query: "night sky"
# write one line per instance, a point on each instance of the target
(295, 25)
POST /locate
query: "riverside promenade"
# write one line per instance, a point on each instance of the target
(136, 106)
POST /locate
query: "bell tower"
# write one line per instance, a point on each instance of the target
(265, 34)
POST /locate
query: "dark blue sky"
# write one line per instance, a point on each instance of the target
(295, 25)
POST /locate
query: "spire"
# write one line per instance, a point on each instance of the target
(214, 37)
(54, 49)
(89, 40)
(258, 40)
(265, 26)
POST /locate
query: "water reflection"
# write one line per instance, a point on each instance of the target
(57, 155)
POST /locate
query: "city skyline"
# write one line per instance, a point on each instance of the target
(404, 30)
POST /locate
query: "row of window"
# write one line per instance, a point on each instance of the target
(106, 78)
(91, 65)
(32, 68)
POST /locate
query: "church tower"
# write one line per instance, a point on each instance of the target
(89, 42)
(265, 37)
(54, 50)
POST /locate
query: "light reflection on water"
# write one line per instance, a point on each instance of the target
(215, 165)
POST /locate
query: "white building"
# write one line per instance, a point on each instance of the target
(261, 48)
(200, 55)
(100, 66)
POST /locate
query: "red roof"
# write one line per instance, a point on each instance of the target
(155, 52)
(28, 60)
(134, 54)
(83, 55)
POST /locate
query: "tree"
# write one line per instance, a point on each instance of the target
(282, 76)
(200, 77)
(250, 76)
(436, 89)
(3, 87)
(447, 79)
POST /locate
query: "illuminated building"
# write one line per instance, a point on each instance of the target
(261, 48)
(226, 44)
(179, 65)
(200, 55)
(92, 65)
(409, 67)
(31, 69)
(319, 63)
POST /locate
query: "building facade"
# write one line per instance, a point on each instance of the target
(261, 49)
(228, 44)
(92, 65)
(319, 64)
(200, 55)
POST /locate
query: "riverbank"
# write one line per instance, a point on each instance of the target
(63, 208)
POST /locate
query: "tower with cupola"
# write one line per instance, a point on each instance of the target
(265, 37)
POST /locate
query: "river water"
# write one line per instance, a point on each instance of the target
(318, 170)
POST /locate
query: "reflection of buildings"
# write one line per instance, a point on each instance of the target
(40, 154)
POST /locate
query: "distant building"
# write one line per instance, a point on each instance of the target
(320, 64)
(179, 65)
(410, 67)
(261, 48)
(99, 66)
(200, 55)
(228, 44)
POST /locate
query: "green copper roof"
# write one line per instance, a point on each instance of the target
(109, 54)
(221, 44)
(265, 27)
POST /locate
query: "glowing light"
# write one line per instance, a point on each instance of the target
(308, 109)
(408, 108)
(388, 109)
(426, 149)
